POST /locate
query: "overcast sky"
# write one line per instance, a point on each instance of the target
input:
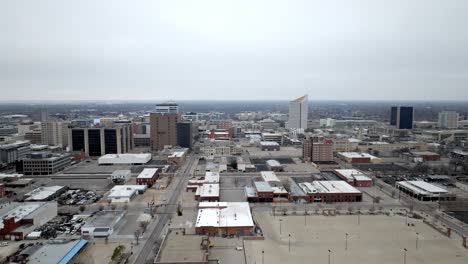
(330, 49)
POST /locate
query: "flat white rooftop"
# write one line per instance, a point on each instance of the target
(269, 176)
(422, 187)
(328, 187)
(141, 158)
(209, 190)
(147, 173)
(42, 193)
(224, 215)
(269, 143)
(356, 155)
(349, 174)
(211, 177)
(273, 163)
(119, 191)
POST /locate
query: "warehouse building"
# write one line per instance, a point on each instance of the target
(357, 157)
(424, 191)
(207, 193)
(221, 218)
(102, 223)
(20, 219)
(121, 176)
(269, 146)
(148, 176)
(127, 159)
(354, 177)
(44, 193)
(125, 193)
(274, 165)
(330, 192)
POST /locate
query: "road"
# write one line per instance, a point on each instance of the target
(180, 180)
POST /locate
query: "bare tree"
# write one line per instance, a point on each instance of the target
(350, 209)
(113, 206)
(137, 234)
(101, 207)
(82, 208)
(144, 226)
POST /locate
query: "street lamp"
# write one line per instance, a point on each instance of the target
(404, 256)
(329, 253)
(289, 243)
(346, 248)
(263, 256)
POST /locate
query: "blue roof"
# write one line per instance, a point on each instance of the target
(73, 251)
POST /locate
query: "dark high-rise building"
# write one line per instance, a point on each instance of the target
(184, 134)
(98, 141)
(402, 117)
(163, 130)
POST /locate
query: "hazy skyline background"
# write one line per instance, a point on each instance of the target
(233, 50)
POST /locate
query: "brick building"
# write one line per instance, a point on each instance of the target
(216, 219)
(148, 176)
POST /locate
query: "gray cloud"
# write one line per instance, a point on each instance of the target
(336, 49)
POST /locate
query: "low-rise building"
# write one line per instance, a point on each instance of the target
(222, 218)
(269, 146)
(331, 191)
(274, 165)
(121, 176)
(128, 159)
(424, 191)
(264, 191)
(354, 177)
(19, 219)
(207, 193)
(358, 157)
(102, 223)
(125, 193)
(46, 193)
(148, 176)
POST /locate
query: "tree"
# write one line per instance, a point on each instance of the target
(117, 254)
(377, 199)
(137, 234)
(113, 206)
(101, 207)
(393, 193)
(144, 226)
(350, 209)
(82, 208)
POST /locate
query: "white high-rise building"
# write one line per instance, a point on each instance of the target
(54, 133)
(298, 112)
(448, 119)
(167, 107)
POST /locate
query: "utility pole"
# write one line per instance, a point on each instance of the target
(329, 253)
(281, 220)
(404, 255)
(263, 256)
(346, 245)
(417, 240)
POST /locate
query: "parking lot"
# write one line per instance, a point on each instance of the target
(376, 239)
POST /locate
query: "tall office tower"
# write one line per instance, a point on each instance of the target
(98, 141)
(167, 107)
(298, 111)
(55, 133)
(184, 134)
(448, 119)
(163, 130)
(44, 115)
(402, 117)
(317, 150)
